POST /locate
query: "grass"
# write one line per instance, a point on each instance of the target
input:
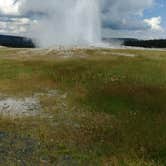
(113, 113)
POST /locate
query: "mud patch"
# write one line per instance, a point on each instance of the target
(15, 107)
(29, 105)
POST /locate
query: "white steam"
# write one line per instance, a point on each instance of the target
(65, 22)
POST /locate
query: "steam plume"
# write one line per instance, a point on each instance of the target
(65, 22)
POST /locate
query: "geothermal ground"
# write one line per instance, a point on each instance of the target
(82, 107)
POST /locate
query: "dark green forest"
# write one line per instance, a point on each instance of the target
(160, 43)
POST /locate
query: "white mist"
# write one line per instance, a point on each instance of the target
(68, 23)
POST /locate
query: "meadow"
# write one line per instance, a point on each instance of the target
(101, 107)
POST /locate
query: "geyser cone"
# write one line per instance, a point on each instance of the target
(70, 23)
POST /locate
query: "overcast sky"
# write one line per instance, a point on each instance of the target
(120, 18)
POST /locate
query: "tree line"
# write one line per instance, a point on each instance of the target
(159, 43)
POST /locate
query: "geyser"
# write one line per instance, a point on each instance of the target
(85, 22)
(67, 23)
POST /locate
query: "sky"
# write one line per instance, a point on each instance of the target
(145, 19)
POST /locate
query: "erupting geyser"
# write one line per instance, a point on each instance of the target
(85, 22)
(69, 23)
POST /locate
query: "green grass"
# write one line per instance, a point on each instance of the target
(115, 113)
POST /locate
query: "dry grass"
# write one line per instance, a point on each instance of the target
(108, 109)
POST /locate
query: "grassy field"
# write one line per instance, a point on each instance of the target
(109, 108)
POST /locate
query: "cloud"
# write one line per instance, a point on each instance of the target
(118, 16)
(126, 19)
(64, 22)
(9, 7)
(154, 23)
(14, 25)
(139, 34)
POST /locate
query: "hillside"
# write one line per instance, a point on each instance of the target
(16, 41)
(156, 43)
(160, 43)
